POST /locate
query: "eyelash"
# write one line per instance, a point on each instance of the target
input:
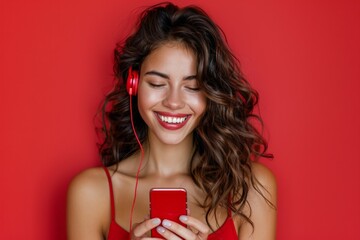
(156, 85)
(194, 89)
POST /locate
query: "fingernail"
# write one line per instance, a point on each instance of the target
(160, 229)
(166, 223)
(183, 218)
(156, 221)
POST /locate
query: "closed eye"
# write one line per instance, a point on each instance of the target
(195, 89)
(154, 85)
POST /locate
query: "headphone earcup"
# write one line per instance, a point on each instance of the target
(132, 82)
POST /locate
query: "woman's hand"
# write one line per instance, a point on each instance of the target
(141, 230)
(196, 230)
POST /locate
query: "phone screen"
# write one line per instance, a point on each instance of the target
(167, 203)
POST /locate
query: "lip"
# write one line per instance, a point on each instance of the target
(172, 126)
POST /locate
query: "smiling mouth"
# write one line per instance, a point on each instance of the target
(172, 120)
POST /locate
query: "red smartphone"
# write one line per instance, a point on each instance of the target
(167, 203)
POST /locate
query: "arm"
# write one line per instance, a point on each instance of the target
(263, 215)
(87, 206)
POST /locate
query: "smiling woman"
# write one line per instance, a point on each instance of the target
(179, 116)
(169, 96)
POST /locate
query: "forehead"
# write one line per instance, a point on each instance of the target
(171, 54)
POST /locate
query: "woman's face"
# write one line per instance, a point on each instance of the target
(169, 99)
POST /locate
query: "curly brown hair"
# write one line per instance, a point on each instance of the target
(226, 141)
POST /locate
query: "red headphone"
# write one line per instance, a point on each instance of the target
(132, 82)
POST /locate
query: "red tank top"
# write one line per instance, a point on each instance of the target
(116, 232)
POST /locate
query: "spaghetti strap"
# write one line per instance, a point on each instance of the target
(229, 212)
(111, 193)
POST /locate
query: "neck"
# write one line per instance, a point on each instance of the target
(167, 159)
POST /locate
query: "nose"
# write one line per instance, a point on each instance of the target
(174, 100)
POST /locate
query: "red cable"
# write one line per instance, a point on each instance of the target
(139, 168)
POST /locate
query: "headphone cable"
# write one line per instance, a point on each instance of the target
(139, 168)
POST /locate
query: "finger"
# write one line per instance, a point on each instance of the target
(167, 234)
(145, 226)
(179, 230)
(194, 223)
(151, 238)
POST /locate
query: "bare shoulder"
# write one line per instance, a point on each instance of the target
(89, 181)
(88, 187)
(265, 177)
(261, 209)
(88, 205)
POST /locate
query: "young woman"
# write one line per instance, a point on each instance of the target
(192, 114)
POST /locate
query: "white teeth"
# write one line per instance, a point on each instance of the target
(172, 119)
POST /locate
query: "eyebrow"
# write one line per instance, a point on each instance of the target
(163, 75)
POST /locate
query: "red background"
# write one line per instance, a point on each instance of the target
(302, 56)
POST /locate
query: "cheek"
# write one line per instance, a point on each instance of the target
(141, 103)
(142, 106)
(147, 99)
(199, 104)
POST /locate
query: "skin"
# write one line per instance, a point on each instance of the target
(168, 86)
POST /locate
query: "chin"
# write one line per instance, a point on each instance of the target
(173, 139)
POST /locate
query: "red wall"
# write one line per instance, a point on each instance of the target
(302, 56)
